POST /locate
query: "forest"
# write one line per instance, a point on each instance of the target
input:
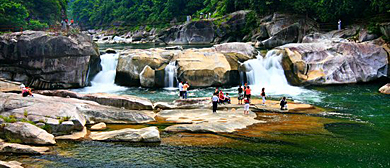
(38, 14)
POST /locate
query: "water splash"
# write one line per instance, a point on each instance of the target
(104, 81)
(267, 72)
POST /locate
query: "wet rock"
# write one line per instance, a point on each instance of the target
(99, 127)
(74, 136)
(44, 60)
(110, 51)
(147, 77)
(22, 149)
(201, 120)
(149, 134)
(385, 89)
(28, 134)
(333, 63)
(10, 164)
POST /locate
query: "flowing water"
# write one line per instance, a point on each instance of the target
(170, 76)
(355, 133)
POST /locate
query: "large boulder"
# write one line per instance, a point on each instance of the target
(149, 134)
(147, 77)
(132, 62)
(333, 63)
(385, 89)
(46, 60)
(27, 133)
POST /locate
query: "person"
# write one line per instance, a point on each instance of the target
(240, 96)
(227, 98)
(185, 90)
(27, 92)
(263, 95)
(214, 100)
(221, 97)
(248, 93)
(245, 86)
(71, 22)
(339, 24)
(181, 89)
(216, 90)
(246, 106)
(283, 104)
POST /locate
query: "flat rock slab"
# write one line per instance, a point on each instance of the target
(201, 120)
(74, 136)
(10, 164)
(99, 127)
(149, 134)
(22, 149)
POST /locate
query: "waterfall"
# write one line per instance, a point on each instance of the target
(170, 75)
(267, 72)
(104, 80)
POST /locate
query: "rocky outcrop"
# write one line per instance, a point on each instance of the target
(196, 32)
(333, 63)
(99, 127)
(22, 149)
(149, 134)
(365, 35)
(385, 29)
(45, 60)
(215, 66)
(27, 133)
(10, 164)
(385, 89)
(283, 29)
(205, 121)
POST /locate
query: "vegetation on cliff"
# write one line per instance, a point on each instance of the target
(100, 13)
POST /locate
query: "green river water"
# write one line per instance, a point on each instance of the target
(359, 138)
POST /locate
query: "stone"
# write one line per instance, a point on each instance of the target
(364, 35)
(333, 63)
(149, 134)
(9, 86)
(196, 32)
(287, 35)
(28, 134)
(191, 103)
(74, 136)
(39, 59)
(245, 49)
(385, 29)
(385, 89)
(99, 127)
(110, 51)
(125, 101)
(10, 164)
(22, 149)
(147, 77)
(202, 120)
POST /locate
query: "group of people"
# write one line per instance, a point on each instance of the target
(66, 24)
(183, 88)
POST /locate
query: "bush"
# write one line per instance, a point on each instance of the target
(36, 25)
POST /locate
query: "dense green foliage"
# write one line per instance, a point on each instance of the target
(31, 14)
(154, 12)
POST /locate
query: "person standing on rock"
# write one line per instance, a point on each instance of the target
(339, 25)
(248, 93)
(181, 90)
(214, 100)
(240, 95)
(246, 106)
(263, 95)
(185, 90)
(245, 86)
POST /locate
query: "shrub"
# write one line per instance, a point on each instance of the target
(36, 25)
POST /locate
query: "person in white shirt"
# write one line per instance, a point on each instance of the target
(215, 99)
(181, 89)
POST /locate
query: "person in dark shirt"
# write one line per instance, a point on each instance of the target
(240, 95)
(283, 104)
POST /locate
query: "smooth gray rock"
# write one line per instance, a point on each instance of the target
(28, 134)
(149, 134)
(385, 89)
(22, 149)
(147, 77)
(10, 164)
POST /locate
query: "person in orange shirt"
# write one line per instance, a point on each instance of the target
(248, 93)
(185, 90)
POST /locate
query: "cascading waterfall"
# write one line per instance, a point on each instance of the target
(267, 72)
(170, 75)
(104, 80)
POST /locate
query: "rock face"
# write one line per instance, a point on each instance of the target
(28, 134)
(283, 29)
(333, 63)
(201, 120)
(197, 32)
(45, 60)
(22, 149)
(149, 134)
(385, 89)
(215, 66)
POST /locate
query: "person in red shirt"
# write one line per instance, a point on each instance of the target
(248, 93)
(221, 97)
